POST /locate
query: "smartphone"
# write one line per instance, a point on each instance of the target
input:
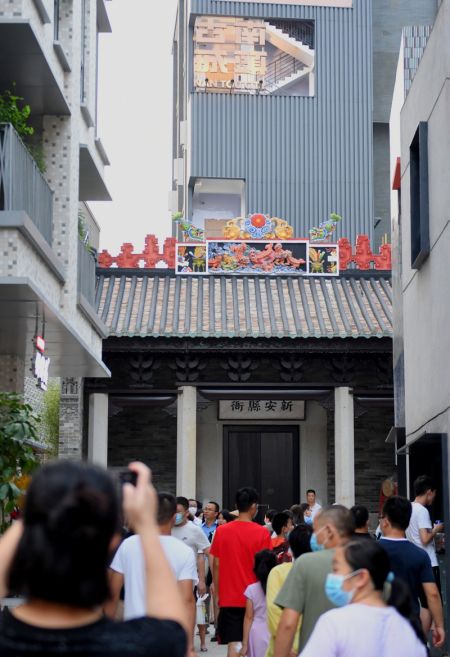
(128, 477)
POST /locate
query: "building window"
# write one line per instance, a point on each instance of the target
(215, 201)
(420, 220)
(56, 20)
(84, 36)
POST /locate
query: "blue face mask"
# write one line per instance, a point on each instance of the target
(315, 545)
(308, 520)
(334, 591)
(179, 518)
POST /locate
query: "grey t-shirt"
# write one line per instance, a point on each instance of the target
(304, 590)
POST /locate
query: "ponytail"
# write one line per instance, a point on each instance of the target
(265, 560)
(370, 556)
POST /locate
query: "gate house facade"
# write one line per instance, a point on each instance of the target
(182, 349)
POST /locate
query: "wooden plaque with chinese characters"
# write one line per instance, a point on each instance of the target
(261, 409)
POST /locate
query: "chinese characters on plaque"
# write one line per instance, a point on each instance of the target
(261, 409)
(243, 55)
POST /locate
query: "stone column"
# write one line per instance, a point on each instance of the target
(187, 441)
(98, 429)
(71, 419)
(344, 446)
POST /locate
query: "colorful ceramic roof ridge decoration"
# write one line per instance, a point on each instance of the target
(190, 232)
(326, 229)
(258, 257)
(361, 257)
(150, 256)
(258, 227)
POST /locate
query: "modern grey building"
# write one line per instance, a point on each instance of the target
(48, 57)
(283, 108)
(420, 167)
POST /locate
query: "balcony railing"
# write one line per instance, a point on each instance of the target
(22, 185)
(86, 273)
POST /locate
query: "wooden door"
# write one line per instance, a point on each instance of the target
(266, 458)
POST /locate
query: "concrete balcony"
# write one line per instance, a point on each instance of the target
(32, 278)
(26, 200)
(87, 266)
(26, 61)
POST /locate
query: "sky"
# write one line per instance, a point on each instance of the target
(134, 121)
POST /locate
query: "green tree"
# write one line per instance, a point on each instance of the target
(50, 417)
(10, 112)
(17, 427)
(13, 110)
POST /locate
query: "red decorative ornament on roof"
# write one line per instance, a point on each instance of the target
(151, 257)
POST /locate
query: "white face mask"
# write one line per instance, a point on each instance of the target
(192, 510)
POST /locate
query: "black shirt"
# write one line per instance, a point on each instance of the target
(411, 564)
(142, 637)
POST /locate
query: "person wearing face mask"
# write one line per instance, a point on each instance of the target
(194, 507)
(233, 548)
(303, 594)
(366, 625)
(191, 535)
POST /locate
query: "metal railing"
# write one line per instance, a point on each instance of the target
(22, 185)
(86, 272)
(281, 68)
(299, 30)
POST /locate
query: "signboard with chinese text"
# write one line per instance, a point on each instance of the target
(254, 56)
(256, 409)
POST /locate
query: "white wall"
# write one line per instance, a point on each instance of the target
(426, 292)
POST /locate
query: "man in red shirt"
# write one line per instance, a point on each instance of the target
(233, 548)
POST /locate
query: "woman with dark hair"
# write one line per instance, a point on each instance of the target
(57, 559)
(366, 625)
(256, 634)
(224, 517)
(297, 513)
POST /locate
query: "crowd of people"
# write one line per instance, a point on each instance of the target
(310, 581)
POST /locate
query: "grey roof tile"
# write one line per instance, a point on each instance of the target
(156, 303)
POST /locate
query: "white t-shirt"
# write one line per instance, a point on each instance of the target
(129, 561)
(420, 519)
(363, 631)
(315, 509)
(192, 536)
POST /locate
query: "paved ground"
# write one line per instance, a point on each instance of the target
(213, 649)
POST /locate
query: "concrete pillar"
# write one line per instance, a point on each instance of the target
(98, 429)
(187, 441)
(344, 446)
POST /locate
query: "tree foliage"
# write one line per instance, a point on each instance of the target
(13, 110)
(17, 427)
(10, 112)
(50, 417)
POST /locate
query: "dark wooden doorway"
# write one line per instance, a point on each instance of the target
(264, 457)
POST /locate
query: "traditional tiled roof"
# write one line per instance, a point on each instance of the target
(158, 303)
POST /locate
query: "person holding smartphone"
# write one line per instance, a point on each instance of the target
(57, 560)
